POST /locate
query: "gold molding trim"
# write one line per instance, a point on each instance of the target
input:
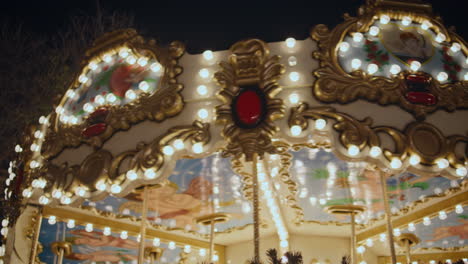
(425, 258)
(335, 85)
(249, 65)
(166, 102)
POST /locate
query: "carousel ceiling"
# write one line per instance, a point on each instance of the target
(282, 139)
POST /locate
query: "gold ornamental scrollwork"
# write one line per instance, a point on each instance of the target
(336, 85)
(166, 102)
(249, 65)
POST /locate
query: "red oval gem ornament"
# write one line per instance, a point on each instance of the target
(94, 130)
(248, 108)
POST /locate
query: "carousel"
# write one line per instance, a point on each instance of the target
(349, 146)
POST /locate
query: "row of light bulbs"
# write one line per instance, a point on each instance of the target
(107, 231)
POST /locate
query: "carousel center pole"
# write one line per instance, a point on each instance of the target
(255, 209)
(210, 254)
(353, 240)
(211, 220)
(407, 240)
(141, 248)
(383, 183)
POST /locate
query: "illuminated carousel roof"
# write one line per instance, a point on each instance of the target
(154, 152)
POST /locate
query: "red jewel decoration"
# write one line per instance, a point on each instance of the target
(94, 130)
(98, 116)
(248, 108)
(418, 90)
(421, 98)
(119, 83)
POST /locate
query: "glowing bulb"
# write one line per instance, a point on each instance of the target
(43, 200)
(395, 69)
(179, 144)
(294, 76)
(73, 120)
(360, 249)
(294, 98)
(107, 231)
(415, 65)
(123, 52)
(142, 61)
(107, 58)
(155, 67)
(144, 86)
(426, 25)
(456, 47)
(356, 64)
(284, 244)
(372, 68)
(130, 94)
(461, 171)
(406, 21)
(384, 19)
(131, 60)
(375, 151)
(82, 78)
(344, 46)
(99, 99)
(369, 242)
(442, 76)
(442, 215)
(65, 200)
(89, 227)
(197, 148)
(156, 242)
(395, 163)
(414, 159)
(290, 42)
(71, 223)
(396, 232)
(93, 65)
(296, 130)
(56, 194)
(101, 185)
(202, 252)
(70, 94)
(88, 107)
(52, 220)
(382, 237)
(353, 150)
(459, 209)
(27, 193)
(358, 37)
(320, 124)
(115, 188)
(124, 235)
(168, 150)
(292, 61)
(34, 147)
(150, 174)
(80, 191)
(18, 149)
(131, 175)
(172, 245)
(466, 75)
(203, 113)
(202, 90)
(440, 38)
(426, 221)
(208, 55)
(411, 227)
(204, 73)
(374, 31)
(59, 110)
(442, 163)
(4, 222)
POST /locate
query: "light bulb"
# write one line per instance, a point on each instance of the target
(80, 191)
(296, 130)
(59, 110)
(123, 52)
(372, 68)
(130, 94)
(203, 113)
(107, 231)
(294, 76)
(144, 86)
(374, 31)
(442, 163)
(56, 194)
(320, 124)
(292, 61)
(99, 99)
(156, 242)
(73, 120)
(89, 227)
(71, 223)
(356, 64)
(395, 69)
(150, 174)
(466, 75)
(4, 222)
(131, 60)
(116, 188)
(294, 98)
(426, 25)
(197, 148)
(52, 220)
(459, 209)
(290, 42)
(369, 242)
(456, 47)
(155, 67)
(93, 65)
(382, 237)
(131, 175)
(202, 252)
(440, 38)
(442, 215)
(27, 193)
(142, 61)
(18, 149)
(396, 232)
(202, 90)
(284, 244)
(426, 221)
(70, 93)
(168, 150)
(107, 58)
(353, 150)
(124, 235)
(208, 55)
(360, 249)
(82, 78)
(344, 46)
(415, 65)
(411, 227)
(414, 159)
(406, 21)
(375, 151)
(172, 245)
(442, 76)
(358, 37)
(65, 200)
(43, 200)
(396, 163)
(204, 73)
(179, 144)
(88, 107)
(101, 185)
(384, 19)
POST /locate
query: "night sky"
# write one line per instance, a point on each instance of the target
(211, 25)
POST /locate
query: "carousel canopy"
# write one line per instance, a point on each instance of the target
(356, 135)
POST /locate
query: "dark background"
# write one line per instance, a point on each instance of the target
(211, 25)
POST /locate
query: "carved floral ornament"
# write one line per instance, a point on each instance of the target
(392, 53)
